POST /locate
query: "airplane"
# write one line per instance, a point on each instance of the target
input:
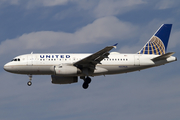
(65, 68)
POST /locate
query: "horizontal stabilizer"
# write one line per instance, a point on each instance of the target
(162, 57)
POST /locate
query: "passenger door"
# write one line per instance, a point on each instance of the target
(136, 60)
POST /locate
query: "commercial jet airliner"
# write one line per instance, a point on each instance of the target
(66, 68)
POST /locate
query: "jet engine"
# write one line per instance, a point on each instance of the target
(66, 70)
(63, 80)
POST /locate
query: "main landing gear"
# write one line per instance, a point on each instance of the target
(29, 83)
(86, 83)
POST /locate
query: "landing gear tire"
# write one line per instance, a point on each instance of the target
(85, 85)
(88, 80)
(29, 83)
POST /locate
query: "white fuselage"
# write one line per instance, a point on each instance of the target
(116, 63)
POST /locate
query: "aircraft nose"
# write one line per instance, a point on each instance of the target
(7, 67)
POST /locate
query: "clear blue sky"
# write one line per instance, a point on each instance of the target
(88, 26)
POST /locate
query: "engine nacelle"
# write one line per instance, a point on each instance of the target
(63, 80)
(66, 70)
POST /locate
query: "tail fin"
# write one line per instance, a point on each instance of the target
(158, 43)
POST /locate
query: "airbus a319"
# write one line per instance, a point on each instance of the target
(67, 68)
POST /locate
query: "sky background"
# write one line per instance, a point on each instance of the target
(86, 26)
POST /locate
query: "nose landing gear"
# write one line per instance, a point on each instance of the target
(29, 83)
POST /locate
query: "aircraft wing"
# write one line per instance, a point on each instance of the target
(92, 60)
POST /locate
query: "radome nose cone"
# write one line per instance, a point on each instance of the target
(5, 67)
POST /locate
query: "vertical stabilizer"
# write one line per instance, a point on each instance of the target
(159, 41)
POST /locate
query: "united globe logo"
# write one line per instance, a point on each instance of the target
(154, 46)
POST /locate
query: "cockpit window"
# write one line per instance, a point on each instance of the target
(16, 59)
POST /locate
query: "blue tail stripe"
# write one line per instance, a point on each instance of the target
(163, 33)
